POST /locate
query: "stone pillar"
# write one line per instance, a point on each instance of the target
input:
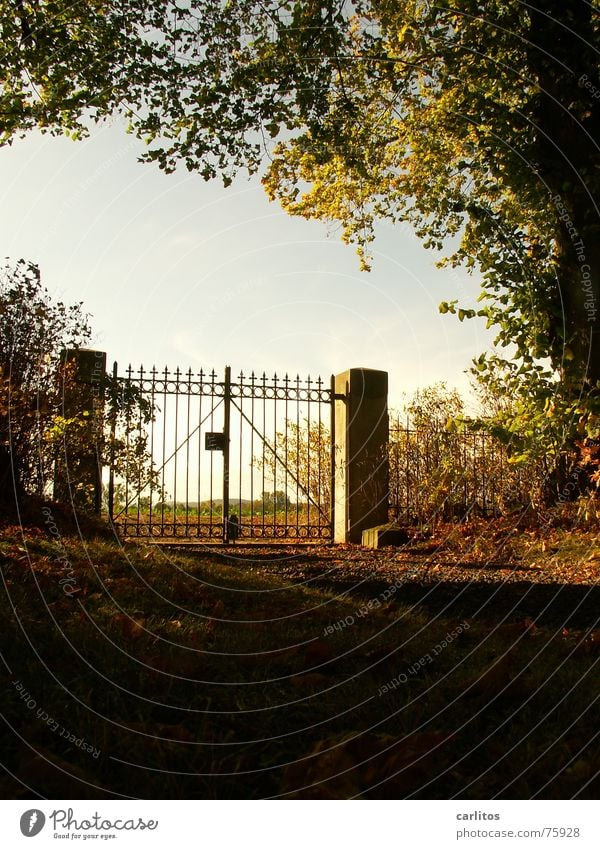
(78, 473)
(361, 471)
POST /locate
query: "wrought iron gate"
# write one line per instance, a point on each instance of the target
(222, 459)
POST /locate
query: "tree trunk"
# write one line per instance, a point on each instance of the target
(566, 153)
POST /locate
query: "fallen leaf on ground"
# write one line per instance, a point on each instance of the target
(130, 628)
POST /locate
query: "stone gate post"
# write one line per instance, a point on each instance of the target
(78, 472)
(361, 470)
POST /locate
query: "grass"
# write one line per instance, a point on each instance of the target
(194, 678)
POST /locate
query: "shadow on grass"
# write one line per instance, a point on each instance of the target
(549, 605)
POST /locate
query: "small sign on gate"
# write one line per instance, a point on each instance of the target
(214, 441)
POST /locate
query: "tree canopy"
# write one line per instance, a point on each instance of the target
(477, 122)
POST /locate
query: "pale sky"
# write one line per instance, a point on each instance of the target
(176, 271)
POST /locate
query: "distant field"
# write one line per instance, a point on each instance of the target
(289, 524)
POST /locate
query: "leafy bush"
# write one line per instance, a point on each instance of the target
(34, 330)
(48, 419)
(445, 465)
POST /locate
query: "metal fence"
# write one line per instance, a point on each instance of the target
(251, 458)
(224, 459)
(449, 475)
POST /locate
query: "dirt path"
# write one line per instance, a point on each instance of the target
(554, 589)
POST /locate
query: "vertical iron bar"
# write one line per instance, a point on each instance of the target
(127, 442)
(417, 472)
(151, 469)
(139, 479)
(397, 466)
(483, 477)
(211, 453)
(286, 443)
(489, 481)
(175, 451)
(498, 467)
(297, 455)
(393, 453)
(162, 464)
(319, 458)
(113, 436)
(252, 392)
(241, 397)
(200, 396)
(275, 455)
(308, 482)
(465, 494)
(407, 461)
(473, 496)
(332, 457)
(226, 421)
(264, 419)
(187, 455)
